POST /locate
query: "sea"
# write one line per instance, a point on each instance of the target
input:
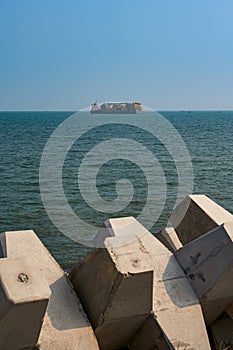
(196, 156)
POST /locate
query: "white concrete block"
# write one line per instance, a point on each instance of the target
(24, 296)
(122, 277)
(122, 295)
(222, 332)
(114, 334)
(65, 324)
(196, 215)
(174, 301)
(150, 336)
(208, 265)
(169, 238)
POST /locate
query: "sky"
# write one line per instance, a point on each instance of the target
(167, 54)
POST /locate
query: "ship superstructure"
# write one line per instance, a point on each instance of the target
(117, 108)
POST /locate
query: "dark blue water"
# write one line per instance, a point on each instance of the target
(23, 135)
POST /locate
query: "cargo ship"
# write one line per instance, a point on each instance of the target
(116, 108)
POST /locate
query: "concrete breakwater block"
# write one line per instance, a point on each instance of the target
(208, 265)
(114, 285)
(150, 336)
(222, 332)
(169, 238)
(229, 310)
(138, 290)
(134, 275)
(24, 296)
(196, 215)
(65, 325)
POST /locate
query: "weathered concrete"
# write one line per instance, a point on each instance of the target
(65, 325)
(196, 215)
(150, 336)
(229, 310)
(169, 238)
(174, 301)
(208, 264)
(222, 332)
(139, 291)
(122, 297)
(24, 296)
(126, 230)
(133, 252)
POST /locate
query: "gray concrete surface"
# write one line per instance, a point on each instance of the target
(114, 285)
(168, 237)
(65, 325)
(138, 290)
(133, 252)
(222, 332)
(208, 265)
(24, 296)
(196, 215)
(150, 336)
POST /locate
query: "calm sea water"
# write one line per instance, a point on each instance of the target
(23, 135)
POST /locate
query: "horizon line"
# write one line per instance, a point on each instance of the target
(78, 110)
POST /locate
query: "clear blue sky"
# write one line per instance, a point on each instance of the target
(63, 55)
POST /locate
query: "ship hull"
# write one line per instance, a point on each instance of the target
(114, 112)
(117, 108)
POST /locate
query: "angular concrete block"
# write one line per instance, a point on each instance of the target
(65, 324)
(111, 335)
(124, 295)
(229, 310)
(222, 333)
(196, 215)
(1, 251)
(24, 296)
(121, 298)
(127, 229)
(208, 265)
(174, 301)
(169, 238)
(150, 336)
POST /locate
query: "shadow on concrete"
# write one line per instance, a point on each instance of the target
(65, 310)
(177, 286)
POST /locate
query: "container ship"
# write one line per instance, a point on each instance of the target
(116, 108)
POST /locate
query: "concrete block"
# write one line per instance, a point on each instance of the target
(196, 215)
(169, 238)
(150, 336)
(114, 335)
(1, 251)
(65, 324)
(24, 296)
(222, 333)
(3, 245)
(229, 310)
(122, 297)
(208, 265)
(126, 230)
(174, 301)
(124, 292)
